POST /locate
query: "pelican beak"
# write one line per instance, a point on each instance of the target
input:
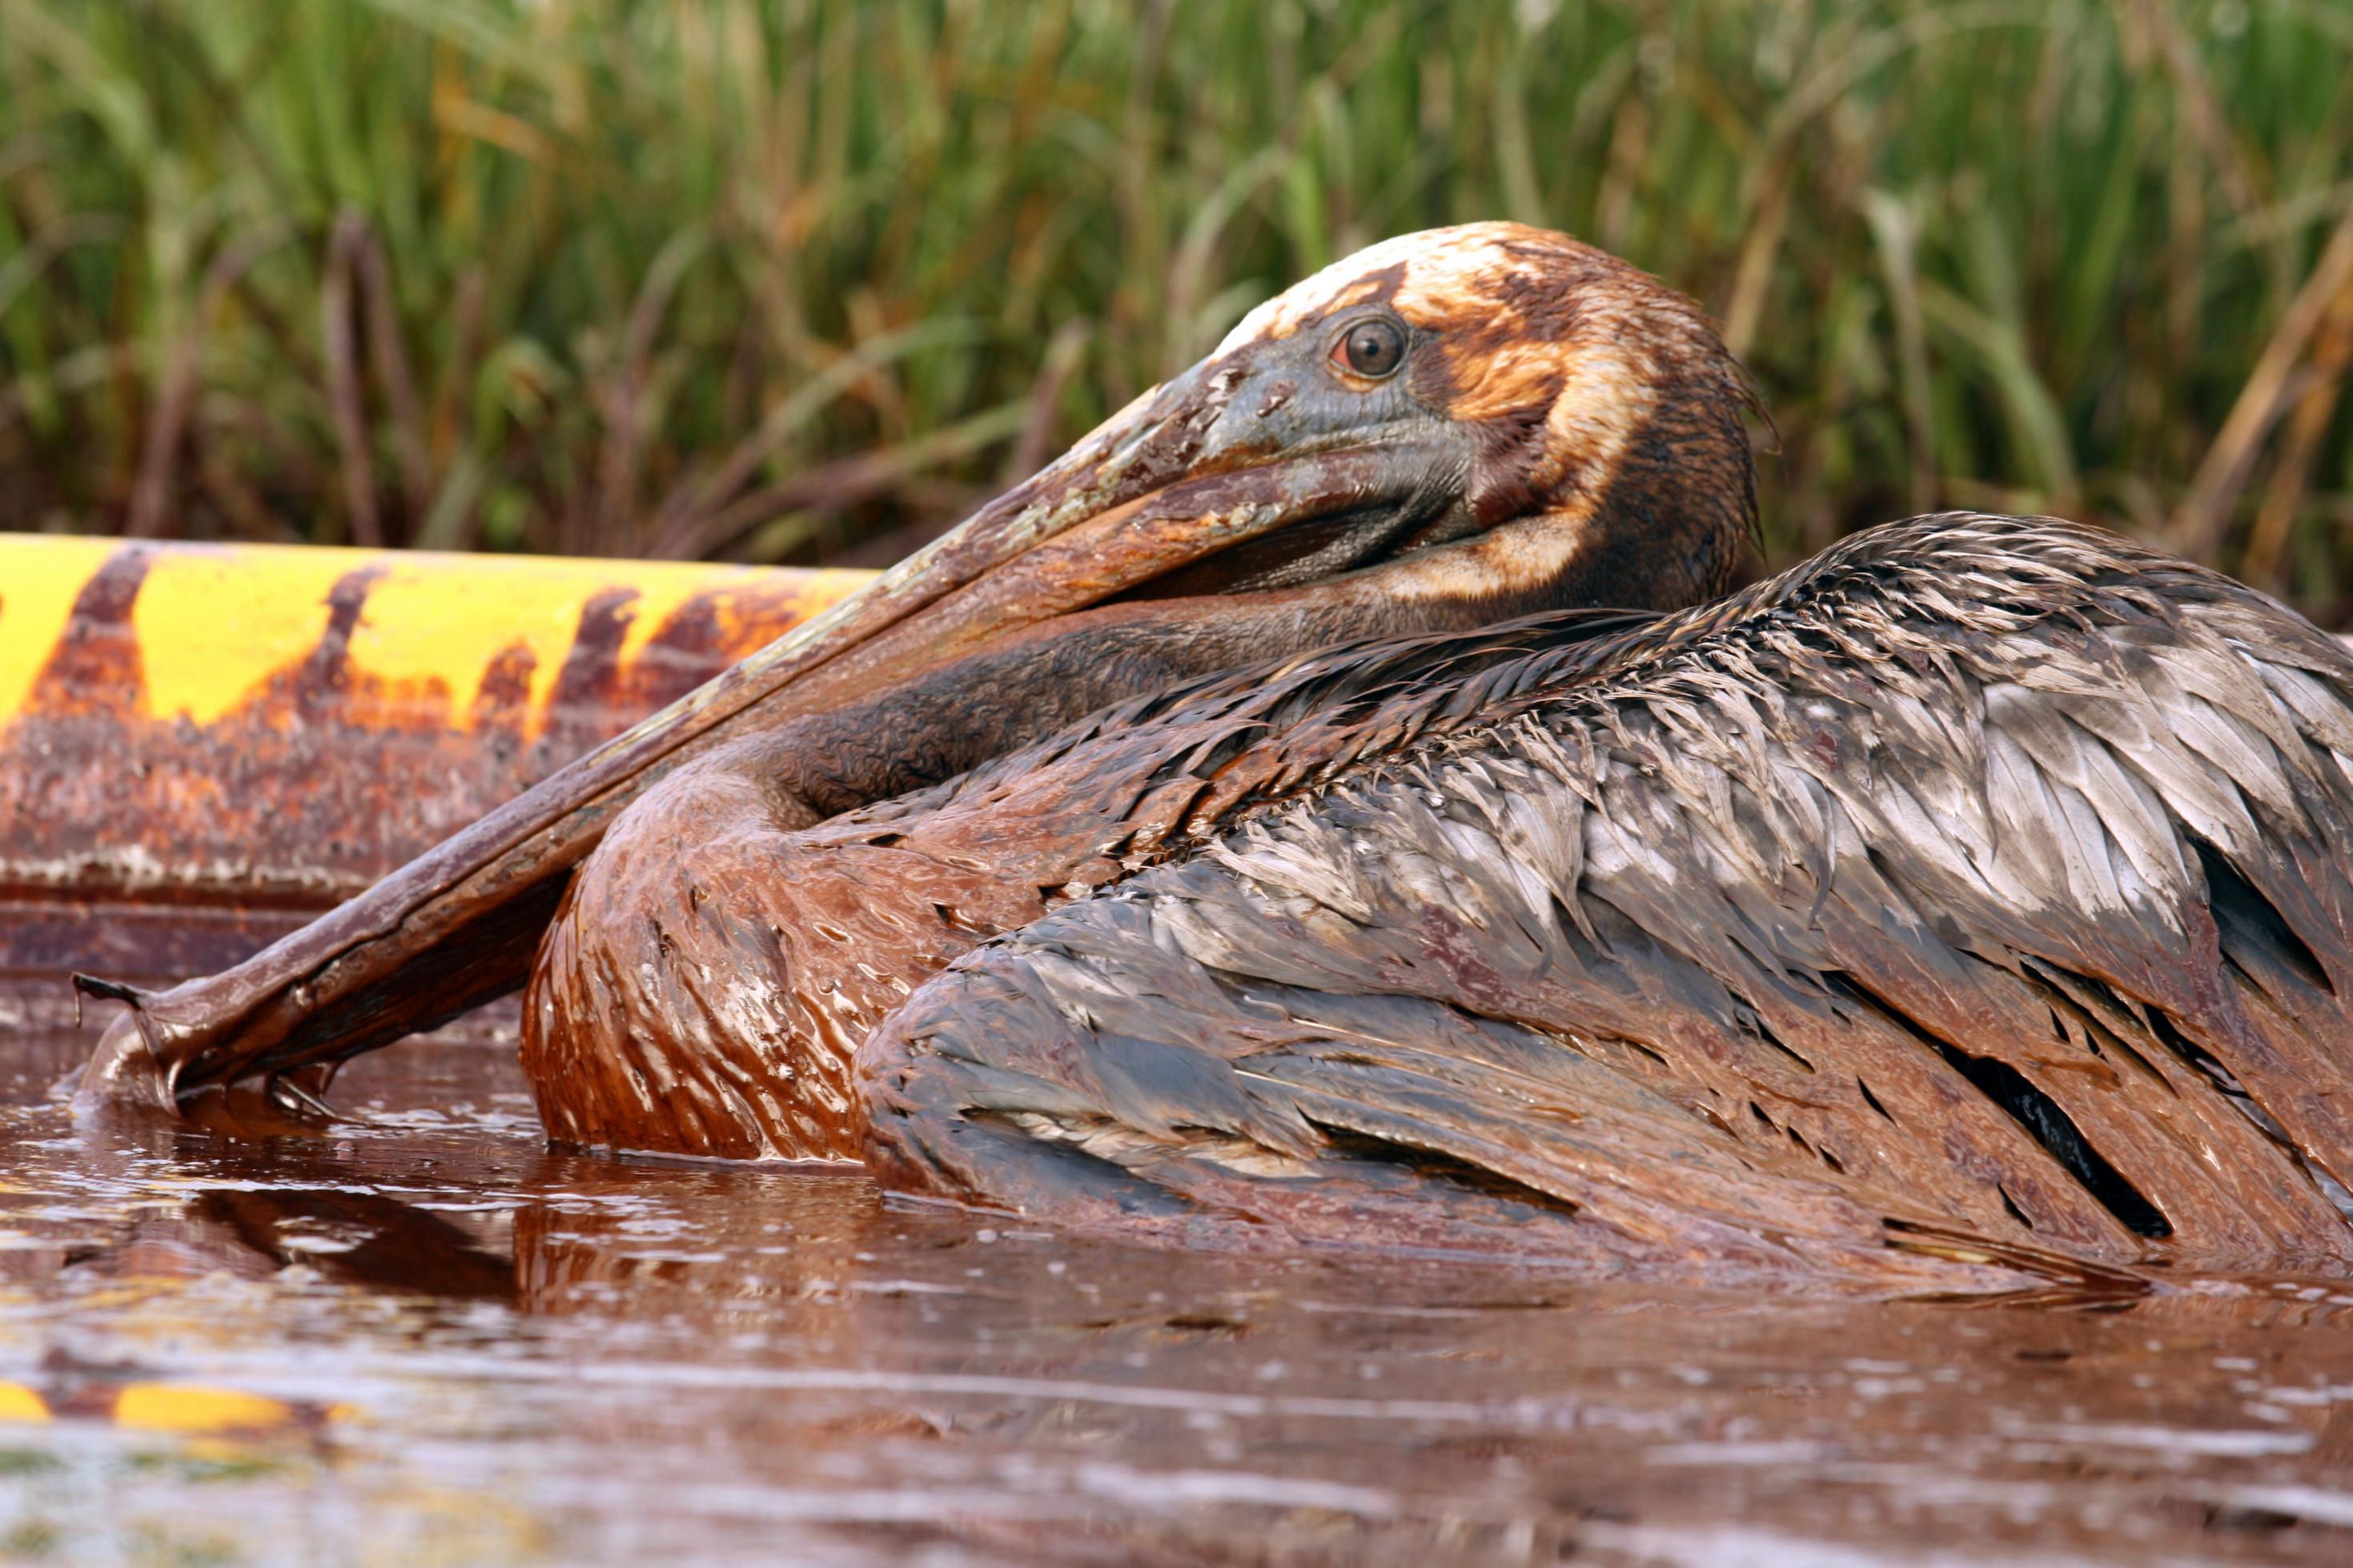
(1186, 473)
(1230, 454)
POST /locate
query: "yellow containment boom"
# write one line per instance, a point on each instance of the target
(200, 746)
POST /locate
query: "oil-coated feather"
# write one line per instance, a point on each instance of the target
(1983, 880)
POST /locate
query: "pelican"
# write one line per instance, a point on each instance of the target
(1255, 831)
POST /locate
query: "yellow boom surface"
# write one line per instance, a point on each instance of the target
(202, 744)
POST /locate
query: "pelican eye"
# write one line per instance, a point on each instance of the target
(1372, 348)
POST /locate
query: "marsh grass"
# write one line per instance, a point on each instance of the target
(788, 280)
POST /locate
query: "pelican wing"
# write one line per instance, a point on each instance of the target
(1980, 888)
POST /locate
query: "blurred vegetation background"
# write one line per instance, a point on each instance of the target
(800, 280)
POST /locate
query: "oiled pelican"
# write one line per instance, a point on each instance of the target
(1976, 890)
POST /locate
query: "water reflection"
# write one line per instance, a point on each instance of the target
(478, 1349)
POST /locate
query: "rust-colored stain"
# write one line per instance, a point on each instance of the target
(239, 735)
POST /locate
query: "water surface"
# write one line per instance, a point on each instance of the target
(425, 1338)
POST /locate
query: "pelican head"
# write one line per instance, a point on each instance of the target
(1490, 414)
